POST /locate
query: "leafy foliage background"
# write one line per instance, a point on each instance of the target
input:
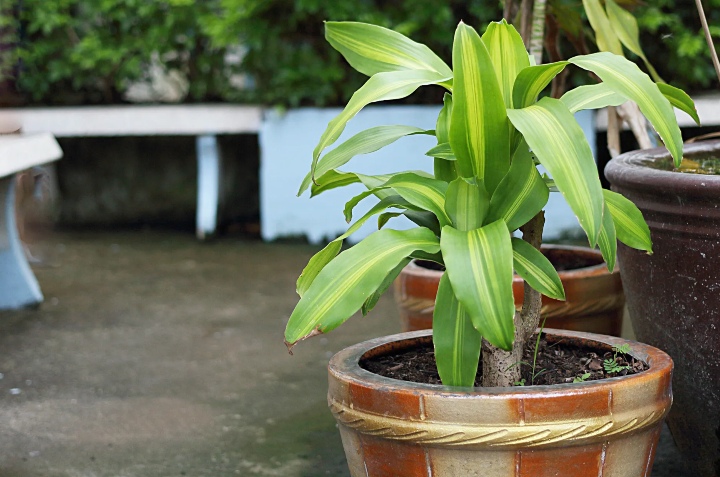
(80, 52)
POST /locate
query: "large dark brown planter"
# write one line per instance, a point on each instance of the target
(394, 428)
(674, 294)
(594, 296)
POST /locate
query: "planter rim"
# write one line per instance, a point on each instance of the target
(344, 363)
(631, 170)
(593, 270)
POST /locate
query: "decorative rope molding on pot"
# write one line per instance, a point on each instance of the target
(489, 436)
(554, 310)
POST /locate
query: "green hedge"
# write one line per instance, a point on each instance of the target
(75, 51)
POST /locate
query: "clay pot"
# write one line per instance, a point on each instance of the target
(674, 294)
(397, 428)
(594, 296)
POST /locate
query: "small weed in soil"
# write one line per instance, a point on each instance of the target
(557, 363)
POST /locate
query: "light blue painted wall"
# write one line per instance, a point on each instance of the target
(286, 144)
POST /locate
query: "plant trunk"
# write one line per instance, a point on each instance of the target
(502, 368)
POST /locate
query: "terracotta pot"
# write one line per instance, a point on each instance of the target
(674, 294)
(594, 302)
(396, 428)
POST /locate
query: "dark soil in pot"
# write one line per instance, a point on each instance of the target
(556, 362)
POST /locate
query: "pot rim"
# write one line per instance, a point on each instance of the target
(346, 364)
(585, 272)
(631, 170)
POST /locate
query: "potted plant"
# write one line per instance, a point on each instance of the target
(491, 133)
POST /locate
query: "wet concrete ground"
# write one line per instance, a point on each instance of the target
(155, 355)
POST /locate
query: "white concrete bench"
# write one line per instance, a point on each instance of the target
(203, 121)
(18, 286)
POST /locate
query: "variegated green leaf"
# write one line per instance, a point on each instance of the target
(364, 142)
(442, 126)
(680, 100)
(466, 204)
(625, 78)
(442, 151)
(389, 279)
(457, 343)
(332, 180)
(630, 226)
(558, 141)
(424, 218)
(626, 28)
(607, 240)
(605, 35)
(479, 131)
(385, 217)
(479, 264)
(323, 257)
(444, 170)
(315, 265)
(373, 49)
(343, 285)
(521, 194)
(427, 194)
(594, 96)
(380, 87)
(531, 81)
(508, 56)
(536, 269)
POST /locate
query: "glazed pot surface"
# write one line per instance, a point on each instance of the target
(594, 297)
(396, 428)
(673, 295)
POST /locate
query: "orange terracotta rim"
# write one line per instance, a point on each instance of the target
(345, 362)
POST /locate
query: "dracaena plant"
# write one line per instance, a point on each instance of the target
(492, 132)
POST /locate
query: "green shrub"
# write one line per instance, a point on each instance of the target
(75, 51)
(673, 40)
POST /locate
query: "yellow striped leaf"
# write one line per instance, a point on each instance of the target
(457, 343)
(630, 226)
(372, 49)
(466, 204)
(594, 96)
(442, 151)
(626, 28)
(425, 193)
(380, 87)
(443, 169)
(521, 194)
(508, 56)
(625, 78)
(680, 100)
(536, 269)
(531, 81)
(479, 130)
(608, 240)
(479, 265)
(605, 35)
(324, 256)
(364, 142)
(560, 144)
(343, 285)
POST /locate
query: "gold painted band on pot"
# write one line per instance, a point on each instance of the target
(455, 434)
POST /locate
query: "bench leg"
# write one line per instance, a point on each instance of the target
(208, 158)
(18, 286)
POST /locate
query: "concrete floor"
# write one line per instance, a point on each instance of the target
(154, 355)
